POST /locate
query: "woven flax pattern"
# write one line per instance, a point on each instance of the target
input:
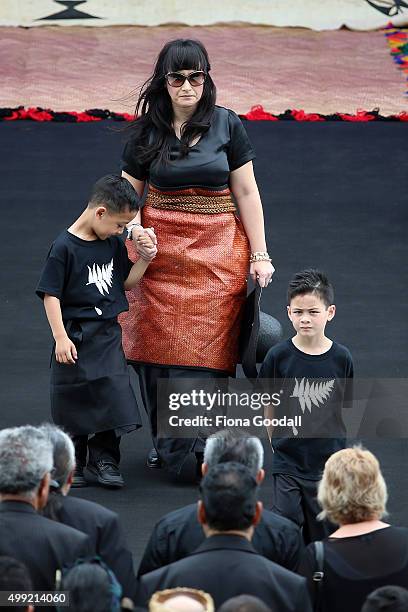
(192, 200)
(279, 68)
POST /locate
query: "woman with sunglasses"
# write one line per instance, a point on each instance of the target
(185, 315)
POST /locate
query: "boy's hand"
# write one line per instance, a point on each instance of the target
(65, 351)
(146, 243)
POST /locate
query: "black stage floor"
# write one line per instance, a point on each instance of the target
(334, 196)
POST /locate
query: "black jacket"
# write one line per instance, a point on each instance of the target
(179, 533)
(106, 536)
(41, 544)
(226, 566)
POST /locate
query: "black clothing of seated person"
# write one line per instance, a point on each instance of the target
(100, 524)
(179, 533)
(41, 544)
(14, 576)
(355, 566)
(226, 564)
(364, 553)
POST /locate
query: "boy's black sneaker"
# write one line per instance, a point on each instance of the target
(79, 479)
(153, 460)
(105, 472)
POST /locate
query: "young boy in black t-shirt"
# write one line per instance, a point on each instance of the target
(83, 285)
(317, 373)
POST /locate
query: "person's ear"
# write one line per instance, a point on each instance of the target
(30, 608)
(289, 312)
(100, 211)
(204, 468)
(70, 479)
(202, 519)
(331, 312)
(260, 476)
(258, 513)
(43, 491)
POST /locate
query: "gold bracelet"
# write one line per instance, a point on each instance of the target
(259, 256)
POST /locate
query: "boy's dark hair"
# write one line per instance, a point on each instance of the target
(387, 599)
(115, 193)
(229, 495)
(311, 281)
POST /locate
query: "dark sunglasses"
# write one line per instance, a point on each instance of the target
(176, 79)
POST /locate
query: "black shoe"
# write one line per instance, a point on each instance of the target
(153, 460)
(105, 473)
(78, 479)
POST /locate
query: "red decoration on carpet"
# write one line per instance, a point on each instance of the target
(360, 116)
(300, 115)
(257, 113)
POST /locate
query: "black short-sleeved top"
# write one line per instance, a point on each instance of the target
(87, 276)
(356, 566)
(222, 149)
(305, 456)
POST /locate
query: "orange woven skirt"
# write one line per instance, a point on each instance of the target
(187, 309)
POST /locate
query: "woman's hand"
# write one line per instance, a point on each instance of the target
(146, 242)
(261, 272)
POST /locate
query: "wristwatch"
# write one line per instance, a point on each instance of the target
(130, 229)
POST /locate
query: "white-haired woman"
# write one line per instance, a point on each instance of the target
(364, 553)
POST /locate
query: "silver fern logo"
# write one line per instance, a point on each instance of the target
(102, 277)
(315, 393)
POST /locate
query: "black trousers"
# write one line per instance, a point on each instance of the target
(103, 445)
(171, 450)
(295, 499)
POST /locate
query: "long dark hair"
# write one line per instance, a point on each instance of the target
(154, 107)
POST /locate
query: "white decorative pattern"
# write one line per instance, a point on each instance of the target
(102, 277)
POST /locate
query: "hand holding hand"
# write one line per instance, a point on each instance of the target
(146, 242)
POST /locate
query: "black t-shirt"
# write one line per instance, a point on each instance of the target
(316, 387)
(356, 566)
(87, 276)
(222, 149)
